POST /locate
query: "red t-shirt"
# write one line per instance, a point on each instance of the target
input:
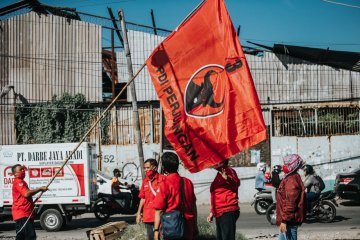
(168, 199)
(22, 206)
(224, 193)
(147, 194)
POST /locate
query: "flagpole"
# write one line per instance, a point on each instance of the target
(191, 13)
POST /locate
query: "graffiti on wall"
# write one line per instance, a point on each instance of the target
(125, 159)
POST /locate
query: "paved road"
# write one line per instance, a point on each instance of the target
(250, 224)
(254, 226)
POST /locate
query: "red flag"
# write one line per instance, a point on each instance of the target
(206, 90)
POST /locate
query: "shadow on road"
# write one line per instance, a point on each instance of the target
(336, 220)
(350, 204)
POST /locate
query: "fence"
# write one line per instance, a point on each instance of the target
(316, 121)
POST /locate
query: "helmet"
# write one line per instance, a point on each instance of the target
(261, 166)
(308, 169)
(277, 168)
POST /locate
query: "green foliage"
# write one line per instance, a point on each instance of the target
(63, 119)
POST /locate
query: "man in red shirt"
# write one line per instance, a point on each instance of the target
(146, 211)
(224, 201)
(168, 196)
(23, 205)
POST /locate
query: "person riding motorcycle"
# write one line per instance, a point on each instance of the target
(116, 189)
(311, 184)
(276, 176)
(260, 181)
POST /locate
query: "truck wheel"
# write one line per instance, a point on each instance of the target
(51, 220)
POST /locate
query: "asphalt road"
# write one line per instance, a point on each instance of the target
(250, 224)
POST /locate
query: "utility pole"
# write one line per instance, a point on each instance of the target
(136, 121)
(112, 65)
(153, 21)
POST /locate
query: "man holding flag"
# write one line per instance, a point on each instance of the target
(206, 90)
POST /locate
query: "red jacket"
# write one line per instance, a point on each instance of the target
(168, 199)
(147, 194)
(22, 207)
(290, 196)
(224, 193)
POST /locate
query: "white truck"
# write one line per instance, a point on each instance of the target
(71, 193)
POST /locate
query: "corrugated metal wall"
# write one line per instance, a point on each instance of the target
(141, 46)
(6, 102)
(122, 132)
(50, 55)
(284, 79)
(42, 56)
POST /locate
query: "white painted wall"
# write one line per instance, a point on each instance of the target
(329, 155)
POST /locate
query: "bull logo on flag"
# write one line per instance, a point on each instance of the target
(205, 92)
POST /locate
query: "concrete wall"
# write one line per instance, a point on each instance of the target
(125, 158)
(329, 155)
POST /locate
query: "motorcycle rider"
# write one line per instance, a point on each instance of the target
(116, 189)
(260, 181)
(312, 185)
(276, 176)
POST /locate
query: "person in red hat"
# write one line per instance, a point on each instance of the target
(224, 201)
(23, 205)
(290, 209)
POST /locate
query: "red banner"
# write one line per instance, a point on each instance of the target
(206, 90)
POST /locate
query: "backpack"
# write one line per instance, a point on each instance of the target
(321, 183)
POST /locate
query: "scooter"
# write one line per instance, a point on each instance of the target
(323, 209)
(262, 201)
(107, 204)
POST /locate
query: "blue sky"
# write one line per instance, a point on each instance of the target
(312, 23)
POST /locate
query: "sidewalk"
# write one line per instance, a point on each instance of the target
(254, 226)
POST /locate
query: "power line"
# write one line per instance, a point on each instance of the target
(342, 4)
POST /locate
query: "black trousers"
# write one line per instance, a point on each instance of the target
(149, 231)
(27, 232)
(226, 225)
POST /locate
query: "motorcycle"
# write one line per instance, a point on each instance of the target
(107, 204)
(323, 209)
(262, 201)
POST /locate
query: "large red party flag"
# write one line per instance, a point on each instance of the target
(206, 90)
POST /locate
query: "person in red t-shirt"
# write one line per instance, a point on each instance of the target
(23, 205)
(168, 196)
(224, 201)
(146, 211)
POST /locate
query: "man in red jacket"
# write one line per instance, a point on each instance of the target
(290, 196)
(224, 201)
(146, 211)
(168, 196)
(23, 205)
